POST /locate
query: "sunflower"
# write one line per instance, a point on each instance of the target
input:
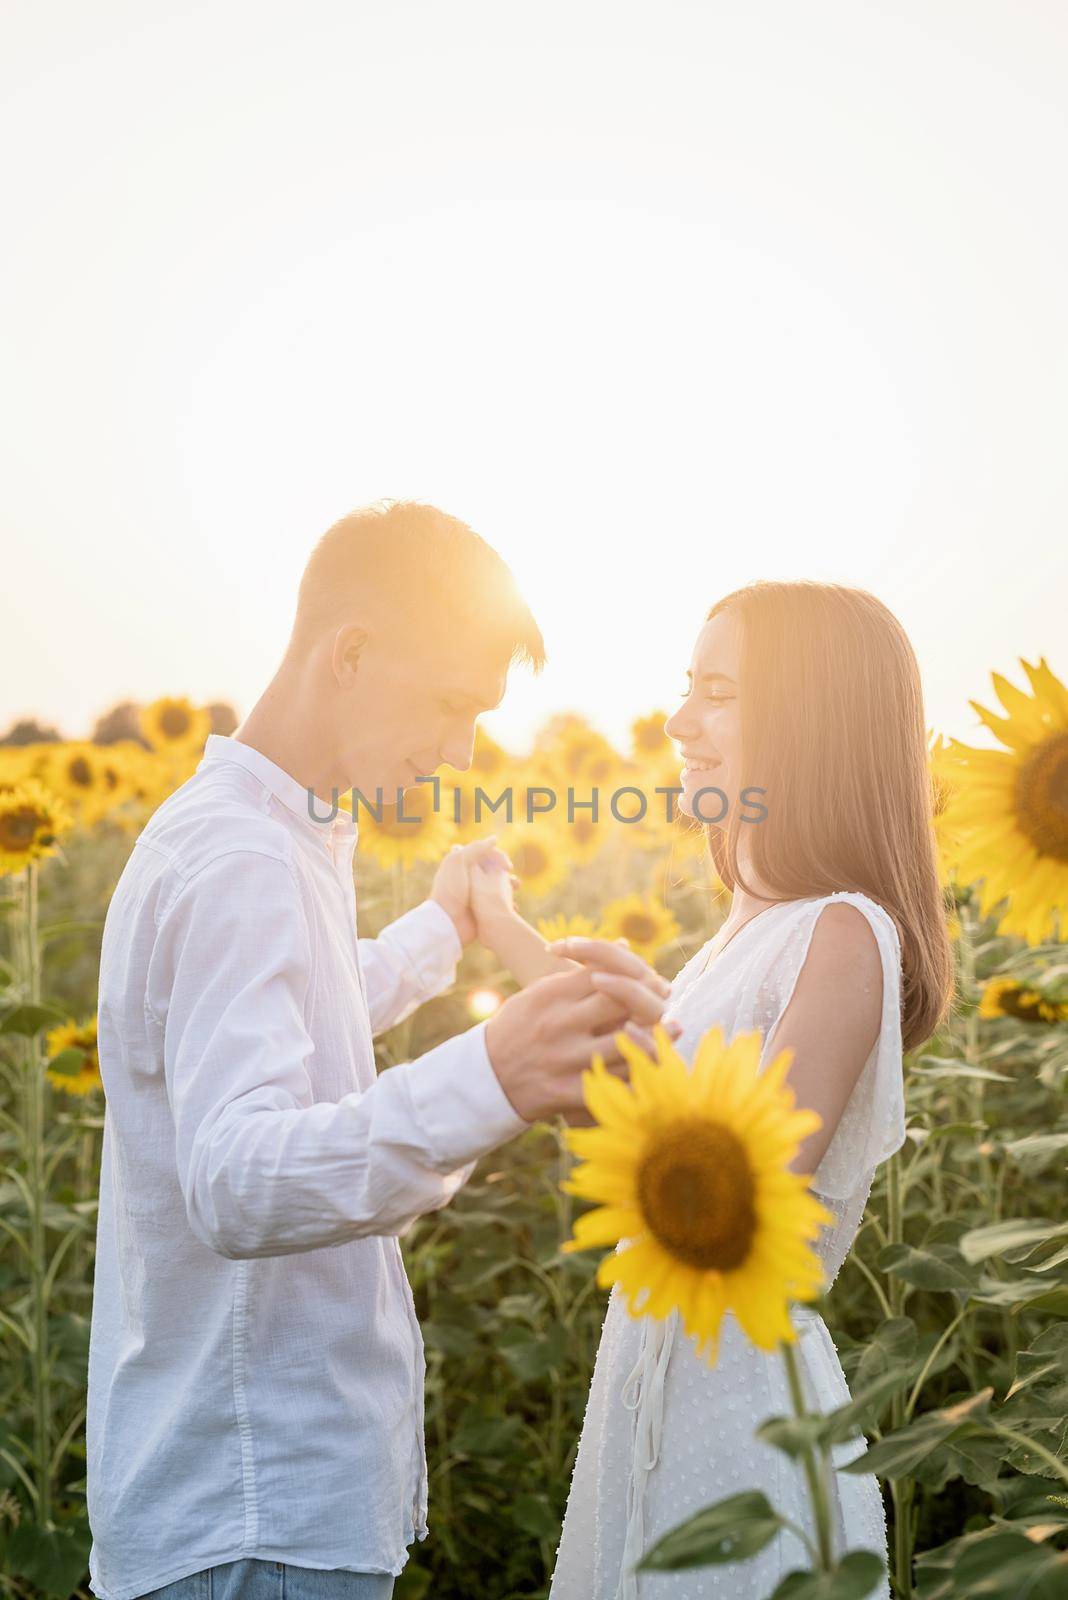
(175, 724)
(1009, 808)
(1005, 997)
(689, 1169)
(31, 820)
(488, 759)
(645, 923)
(648, 740)
(561, 927)
(16, 764)
(74, 1062)
(584, 836)
(539, 857)
(413, 831)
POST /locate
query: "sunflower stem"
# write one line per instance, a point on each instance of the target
(815, 1467)
(29, 980)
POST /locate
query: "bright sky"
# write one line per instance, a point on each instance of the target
(659, 298)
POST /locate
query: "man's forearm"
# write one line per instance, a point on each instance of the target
(263, 1180)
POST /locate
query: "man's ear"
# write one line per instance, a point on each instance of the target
(349, 643)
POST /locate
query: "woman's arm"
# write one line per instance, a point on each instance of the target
(831, 1022)
(517, 945)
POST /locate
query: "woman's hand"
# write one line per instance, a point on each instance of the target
(452, 886)
(492, 893)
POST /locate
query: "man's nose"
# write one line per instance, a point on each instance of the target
(459, 753)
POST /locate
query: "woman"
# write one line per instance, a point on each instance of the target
(835, 946)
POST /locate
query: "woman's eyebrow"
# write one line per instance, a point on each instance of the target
(706, 677)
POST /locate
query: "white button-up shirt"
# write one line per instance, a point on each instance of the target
(255, 1365)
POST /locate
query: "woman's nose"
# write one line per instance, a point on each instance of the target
(675, 726)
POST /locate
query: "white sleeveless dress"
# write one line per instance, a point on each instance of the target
(664, 1433)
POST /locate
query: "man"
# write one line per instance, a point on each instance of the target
(255, 1367)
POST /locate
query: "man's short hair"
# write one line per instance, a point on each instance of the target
(434, 572)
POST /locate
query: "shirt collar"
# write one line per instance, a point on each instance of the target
(293, 795)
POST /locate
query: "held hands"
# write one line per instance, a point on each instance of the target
(473, 884)
(543, 1038)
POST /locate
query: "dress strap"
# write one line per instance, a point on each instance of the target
(643, 1393)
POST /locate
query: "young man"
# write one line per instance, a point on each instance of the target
(255, 1409)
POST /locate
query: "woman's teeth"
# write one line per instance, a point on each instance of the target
(690, 765)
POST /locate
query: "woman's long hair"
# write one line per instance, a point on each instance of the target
(833, 730)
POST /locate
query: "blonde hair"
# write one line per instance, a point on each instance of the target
(430, 569)
(833, 729)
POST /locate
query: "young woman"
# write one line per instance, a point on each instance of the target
(835, 945)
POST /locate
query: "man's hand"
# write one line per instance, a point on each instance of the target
(452, 882)
(544, 1038)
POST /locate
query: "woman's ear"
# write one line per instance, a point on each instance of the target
(349, 643)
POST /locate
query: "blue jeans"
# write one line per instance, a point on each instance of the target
(255, 1579)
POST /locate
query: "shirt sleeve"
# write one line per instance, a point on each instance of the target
(264, 1169)
(412, 960)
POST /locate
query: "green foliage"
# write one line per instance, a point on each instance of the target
(951, 1315)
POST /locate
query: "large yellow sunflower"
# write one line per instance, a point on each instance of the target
(646, 924)
(1005, 997)
(1009, 808)
(649, 742)
(539, 857)
(175, 724)
(31, 821)
(411, 832)
(689, 1169)
(77, 1069)
(583, 837)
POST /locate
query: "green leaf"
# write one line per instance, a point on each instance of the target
(940, 1067)
(482, 1434)
(449, 1338)
(936, 1267)
(1046, 1358)
(533, 1358)
(533, 1513)
(898, 1454)
(731, 1530)
(792, 1435)
(855, 1577)
(993, 1564)
(1036, 1147)
(28, 1020)
(55, 1559)
(978, 1244)
(60, 930)
(68, 1063)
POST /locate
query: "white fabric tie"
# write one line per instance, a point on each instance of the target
(643, 1393)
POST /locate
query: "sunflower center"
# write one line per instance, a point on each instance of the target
(650, 738)
(529, 859)
(1042, 797)
(79, 772)
(697, 1195)
(1024, 1004)
(638, 927)
(174, 722)
(19, 828)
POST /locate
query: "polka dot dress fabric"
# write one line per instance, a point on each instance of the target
(665, 1434)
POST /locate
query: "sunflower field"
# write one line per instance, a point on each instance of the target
(950, 1315)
